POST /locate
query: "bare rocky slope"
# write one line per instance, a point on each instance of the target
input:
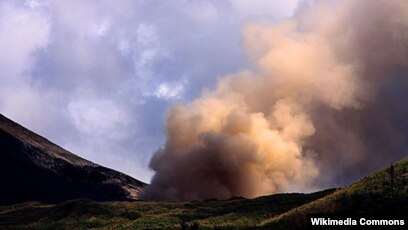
(34, 169)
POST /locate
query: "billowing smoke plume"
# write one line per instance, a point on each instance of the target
(326, 102)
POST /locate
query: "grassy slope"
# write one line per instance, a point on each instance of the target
(372, 194)
(85, 214)
(368, 196)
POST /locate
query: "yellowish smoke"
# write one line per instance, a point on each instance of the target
(302, 114)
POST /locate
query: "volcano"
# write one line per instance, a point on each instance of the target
(33, 168)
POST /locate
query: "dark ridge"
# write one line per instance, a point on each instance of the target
(34, 169)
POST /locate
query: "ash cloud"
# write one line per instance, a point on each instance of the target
(324, 105)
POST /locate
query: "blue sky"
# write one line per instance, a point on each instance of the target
(97, 77)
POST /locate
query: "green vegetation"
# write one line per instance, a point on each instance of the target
(207, 214)
(383, 191)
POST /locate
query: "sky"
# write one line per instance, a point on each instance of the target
(98, 77)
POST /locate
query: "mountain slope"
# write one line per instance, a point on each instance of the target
(383, 193)
(34, 169)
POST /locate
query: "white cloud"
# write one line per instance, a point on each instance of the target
(205, 12)
(168, 91)
(32, 3)
(22, 32)
(102, 118)
(147, 50)
(146, 35)
(123, 46)
(100, 29)
(273, 8)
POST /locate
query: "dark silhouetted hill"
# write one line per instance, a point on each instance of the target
(34, 169)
